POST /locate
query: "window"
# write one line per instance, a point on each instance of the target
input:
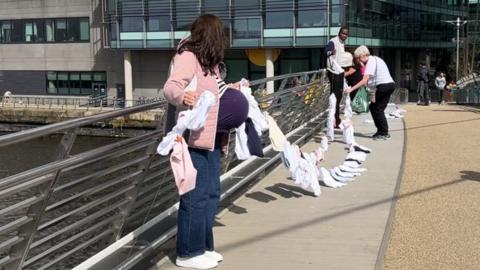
(337, 15)
(84, 29)
(17, 31)
(99, 76)
(158, 16)
(73, 30)
(51, 82)
(217, 7)
(311, 13)
(131, 24)
(247, 28)
(39, 26)
(158, 23)
(247, 7)
(34, 31)
(86, 83)
(62, 83)
(6, 28)
(247, 20)
(49, 29)
(186, 11)
(214, 6)
(132, 15)
(45, 30)
(74, 82)
(279, 14)
(60, 30)
(30, 32)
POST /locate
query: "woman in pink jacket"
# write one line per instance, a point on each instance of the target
(198, 57)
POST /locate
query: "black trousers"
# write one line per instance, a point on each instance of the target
(440, 95)
(377, 109)
(336, 87)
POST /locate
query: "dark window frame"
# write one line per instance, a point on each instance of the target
(41, 36)
(69, 82)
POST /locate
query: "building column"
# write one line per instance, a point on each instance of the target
(398, 66)
(127, 67)
(270, 69)
(427, 58)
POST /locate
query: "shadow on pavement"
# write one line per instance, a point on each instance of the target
(260, 196)
(280, 189)
(470, 176)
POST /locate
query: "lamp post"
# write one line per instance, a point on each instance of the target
(458, 23)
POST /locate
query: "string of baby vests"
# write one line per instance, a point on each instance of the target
(304, 167)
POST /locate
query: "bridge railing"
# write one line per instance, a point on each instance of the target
(468, 90)
(71, 102)
(114, 203)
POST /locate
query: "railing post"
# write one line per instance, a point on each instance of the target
(282, 84)
(132, 195)
(27, 231)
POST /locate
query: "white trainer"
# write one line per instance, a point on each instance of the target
(214, 255)
(197, 262)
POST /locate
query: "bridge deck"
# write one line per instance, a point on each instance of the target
(277, 225)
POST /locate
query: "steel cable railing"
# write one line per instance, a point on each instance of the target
(58, 213)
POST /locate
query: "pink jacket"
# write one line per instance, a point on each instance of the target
(185, 67)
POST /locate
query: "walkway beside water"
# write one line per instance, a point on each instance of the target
(277, 225)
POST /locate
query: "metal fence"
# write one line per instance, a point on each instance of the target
(117, 202)
(69, 102)
(399, 96)
(468, 90)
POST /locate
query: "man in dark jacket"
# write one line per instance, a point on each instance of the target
(423, 90)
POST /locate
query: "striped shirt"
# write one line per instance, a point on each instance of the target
(222, 86)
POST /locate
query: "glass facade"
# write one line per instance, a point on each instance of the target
(286, 23)
(252, 23)
(57, 30)
(400, 23)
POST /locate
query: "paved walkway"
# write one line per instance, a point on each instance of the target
(277, 225)
(437, 218)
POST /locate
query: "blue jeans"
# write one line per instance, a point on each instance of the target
(199, 206)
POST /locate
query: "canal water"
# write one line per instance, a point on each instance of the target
(30, 154)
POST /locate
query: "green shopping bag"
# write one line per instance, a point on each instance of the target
(360, 102)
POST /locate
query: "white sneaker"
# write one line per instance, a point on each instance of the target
(197, 262)
(214, 255)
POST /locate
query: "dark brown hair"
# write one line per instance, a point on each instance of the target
(208, 41)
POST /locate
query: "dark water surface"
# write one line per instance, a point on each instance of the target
(30, 154)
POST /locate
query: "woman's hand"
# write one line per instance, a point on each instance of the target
(190, 98)
(239, 84)
(235, 86)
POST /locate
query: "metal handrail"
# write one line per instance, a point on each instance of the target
(72, 102)
(30, 134)
(51, 214)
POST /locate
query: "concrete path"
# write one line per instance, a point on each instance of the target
(437, 218)
(277, 225)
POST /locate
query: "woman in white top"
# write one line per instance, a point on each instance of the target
(440, 83)
(376, 76)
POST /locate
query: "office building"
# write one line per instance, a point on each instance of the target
(123, 48)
